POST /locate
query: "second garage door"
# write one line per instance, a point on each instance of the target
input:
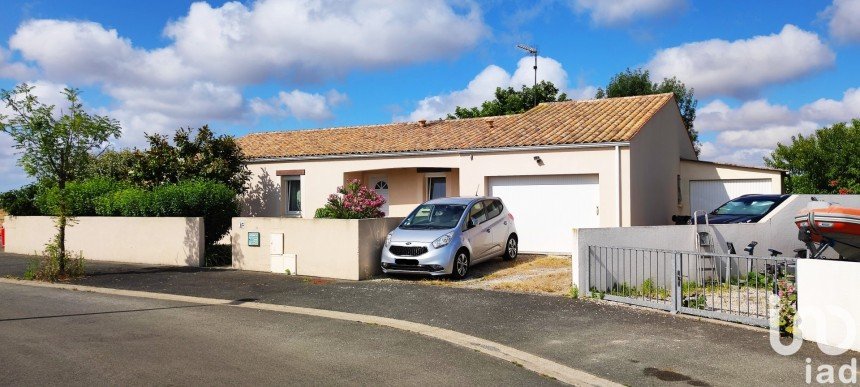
(546, 208)
(707, 195)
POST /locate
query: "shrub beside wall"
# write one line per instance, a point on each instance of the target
(215, 202)
(21, 201)
(80, 196)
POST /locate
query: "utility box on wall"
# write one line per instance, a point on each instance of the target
(283, 264)
(276, 244)
(279, 262)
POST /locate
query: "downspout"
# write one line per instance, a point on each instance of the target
(618, 186)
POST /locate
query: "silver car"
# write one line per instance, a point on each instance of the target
(446, 236)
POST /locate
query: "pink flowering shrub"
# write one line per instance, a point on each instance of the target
(787, 292)
(352, 201)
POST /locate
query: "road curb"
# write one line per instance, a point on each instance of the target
(526, 360)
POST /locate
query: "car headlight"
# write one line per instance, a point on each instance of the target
(388, 240)
(443, 240)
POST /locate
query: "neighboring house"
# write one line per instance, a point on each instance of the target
(608, 162)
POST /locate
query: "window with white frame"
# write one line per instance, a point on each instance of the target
(291, 188)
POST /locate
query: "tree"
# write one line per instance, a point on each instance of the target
(510, 101)
(200, 155)
(55, 149)
(825, 162)
(638, 82)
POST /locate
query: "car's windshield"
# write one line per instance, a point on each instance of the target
(434, 216)
(745, 206)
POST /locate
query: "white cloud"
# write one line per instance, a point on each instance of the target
(829, 110)
(717, 115)
(11, 69)
(723, 154)
(765, 137)
(213, 53)
(152, 110)
(743, 67)
(279, 39)
(843, 18)
(299, 104)
(85, 52)
(617, 12)
(752, 130)
(483, 87)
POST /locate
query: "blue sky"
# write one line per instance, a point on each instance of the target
(763, 70)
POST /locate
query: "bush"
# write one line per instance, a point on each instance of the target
(352, 201)
(213, 201)
(21, 201)
(80, 196)
(47, 268)
(787, 292)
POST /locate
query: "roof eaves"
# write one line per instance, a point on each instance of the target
(405, 153)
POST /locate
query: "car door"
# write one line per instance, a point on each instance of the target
(496, 226)
(477, 235)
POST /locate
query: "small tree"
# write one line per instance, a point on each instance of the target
(825, 162)
(511, 101)
(55, 149)
(638, 82)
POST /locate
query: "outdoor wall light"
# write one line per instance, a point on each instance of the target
(538, 161)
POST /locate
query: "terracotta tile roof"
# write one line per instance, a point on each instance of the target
(555, 123)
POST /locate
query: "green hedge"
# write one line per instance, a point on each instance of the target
(80, 196)
(215, 202)
(21, 201)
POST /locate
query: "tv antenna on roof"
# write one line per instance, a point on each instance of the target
(534, 52)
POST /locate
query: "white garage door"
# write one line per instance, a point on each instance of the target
(546, 208)
(709, 194)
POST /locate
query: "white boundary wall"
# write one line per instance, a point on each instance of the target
(158, 241)
(332, 248)
(827, 305)
(776, 231)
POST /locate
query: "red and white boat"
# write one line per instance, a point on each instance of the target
(830, 225)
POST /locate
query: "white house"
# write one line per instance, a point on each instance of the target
(608, 162)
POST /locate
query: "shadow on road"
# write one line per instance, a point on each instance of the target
(100, 313)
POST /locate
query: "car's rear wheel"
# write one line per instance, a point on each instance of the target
(461, 265)
(512, 248)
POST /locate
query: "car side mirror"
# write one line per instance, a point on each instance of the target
(472, 223)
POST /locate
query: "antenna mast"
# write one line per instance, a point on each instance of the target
(534, 52)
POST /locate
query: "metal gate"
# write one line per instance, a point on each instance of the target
(735, 288)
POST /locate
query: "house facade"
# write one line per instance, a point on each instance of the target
(601, 163)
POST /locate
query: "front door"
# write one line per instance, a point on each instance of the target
(436, 187)
(379, 183)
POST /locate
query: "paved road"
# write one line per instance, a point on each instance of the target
(629, 346)
(52, 336)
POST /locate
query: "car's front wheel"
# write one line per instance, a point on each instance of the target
(461, 265)
(511, 248)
